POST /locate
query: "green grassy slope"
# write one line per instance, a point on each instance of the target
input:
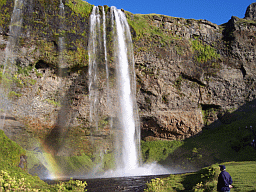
(10, 153)
(227, 144)
(14, 178)
(242, 173)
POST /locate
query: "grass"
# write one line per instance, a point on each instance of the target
(227, 144)
(75, 163)
(21, 78)
(204, 53)
(80, 7)
(243, 175)
(14, 178)
(158, 150)
(10, 153)
(13, 94)
(206, 179)
(52, 102)
(246, 22)
(5, 15)
(145, 29)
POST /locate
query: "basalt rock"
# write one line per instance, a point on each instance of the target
(251, 12)
(189, 72)
(179, 95)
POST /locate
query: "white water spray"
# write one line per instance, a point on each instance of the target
(61, 43)
(121, 95)
(14, 33)
(93, 48)
(126, 115)
(124, 101)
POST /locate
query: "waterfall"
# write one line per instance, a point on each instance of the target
(61, 8)
(126, 115)
(121, 102)
(93, 49)
(14, 33)
(106, 63)
(61, 43)
(10, 56)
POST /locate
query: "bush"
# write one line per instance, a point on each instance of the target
(203, 180)
(72, 185)
(204, 53)
(8, 183)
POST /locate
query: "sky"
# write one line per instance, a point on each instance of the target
(215, 11)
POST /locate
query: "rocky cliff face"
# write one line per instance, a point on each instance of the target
(189, 72)
(204, 72)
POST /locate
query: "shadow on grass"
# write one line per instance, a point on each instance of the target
(227, 139)
(191, 180)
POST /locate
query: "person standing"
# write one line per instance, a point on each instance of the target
(224, 180)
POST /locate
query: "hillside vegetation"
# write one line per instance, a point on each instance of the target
(228, 144)
(243, 175)
(15, 178)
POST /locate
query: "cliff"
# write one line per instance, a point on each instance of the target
(190, 73)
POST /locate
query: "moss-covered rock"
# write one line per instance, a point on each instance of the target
(182, 66)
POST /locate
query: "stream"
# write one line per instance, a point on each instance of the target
(131, 184)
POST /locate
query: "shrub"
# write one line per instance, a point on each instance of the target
(13, 94)
(71, 185)
(203, 180)
(204, 53)
(52, 102)
(8, 183)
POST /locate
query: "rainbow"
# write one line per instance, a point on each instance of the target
(48, 160)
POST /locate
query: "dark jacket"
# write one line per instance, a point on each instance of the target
(224, 181)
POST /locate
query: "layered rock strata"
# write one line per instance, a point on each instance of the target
(189, 72)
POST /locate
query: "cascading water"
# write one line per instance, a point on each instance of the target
(93, 47)
(125, 110)
(106, 62)
(14, 33)
(61, 43)
(116, 62)
(10, 56)
(126, 115)
(120, 89)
